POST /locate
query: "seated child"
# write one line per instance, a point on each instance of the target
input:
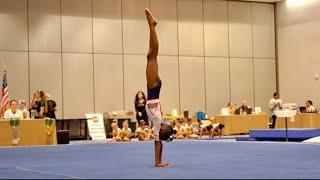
(203, 125)
(186, 126)
(116, 131)
(151, 132)
(144, 133)
(212, 130)
(194, 126)
(126, 131)
(181, 131)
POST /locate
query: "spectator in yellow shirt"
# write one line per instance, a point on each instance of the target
(126, 131)
(116, 131)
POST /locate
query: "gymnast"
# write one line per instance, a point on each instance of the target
(153, 106)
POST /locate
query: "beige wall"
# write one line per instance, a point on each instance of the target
(91, 54)
(298, 50)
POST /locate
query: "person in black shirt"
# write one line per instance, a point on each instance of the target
(42, 105)
(39, 105)
(34, 104)
(244, 108)
(140, 106)
(51, 107)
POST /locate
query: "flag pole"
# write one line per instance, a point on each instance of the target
(4, 66)
(3, 69)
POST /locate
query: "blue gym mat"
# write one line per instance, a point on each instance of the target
(293, 133)
(192, 159)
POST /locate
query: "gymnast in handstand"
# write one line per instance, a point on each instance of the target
(154, 83)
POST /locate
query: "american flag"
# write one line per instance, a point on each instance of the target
(5, 93)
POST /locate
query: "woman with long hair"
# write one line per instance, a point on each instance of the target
(42, 108)
(140, 107)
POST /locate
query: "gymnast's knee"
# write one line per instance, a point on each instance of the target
(152, 55)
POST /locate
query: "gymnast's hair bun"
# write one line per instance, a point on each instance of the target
(166, 132)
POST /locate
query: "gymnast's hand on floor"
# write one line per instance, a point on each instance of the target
(164, 164)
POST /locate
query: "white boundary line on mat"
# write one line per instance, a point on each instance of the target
(44, 172)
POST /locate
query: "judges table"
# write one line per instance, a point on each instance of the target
(30, 131)
(241, 124)
(301, 120)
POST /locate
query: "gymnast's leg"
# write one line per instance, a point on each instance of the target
(152, 64)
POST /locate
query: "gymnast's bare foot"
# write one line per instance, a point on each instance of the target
(152, 22)
(164, 164)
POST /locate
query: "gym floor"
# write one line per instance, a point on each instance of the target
(218, 158)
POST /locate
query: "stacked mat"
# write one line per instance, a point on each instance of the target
(296, 134)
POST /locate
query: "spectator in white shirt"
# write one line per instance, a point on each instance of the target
(23, 107)
(309, 107)
(275, 104)
(13, 112)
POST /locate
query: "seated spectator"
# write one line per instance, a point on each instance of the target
(243, 109)
(23, 107)
(42, 109)
(186, 126)
(217, 129)
(52, 107)
(13, 112)
(181, 132)
(34, 102)
(173, 123)
(309, 107)
(204, 124)
(151, 132)
(194, 128)
(231, 108)
(116, 131)
(212, 130)
(39, 105)
(126, 131)
(144, 133)
(186, 117)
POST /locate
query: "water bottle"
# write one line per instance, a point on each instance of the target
(33, 112)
